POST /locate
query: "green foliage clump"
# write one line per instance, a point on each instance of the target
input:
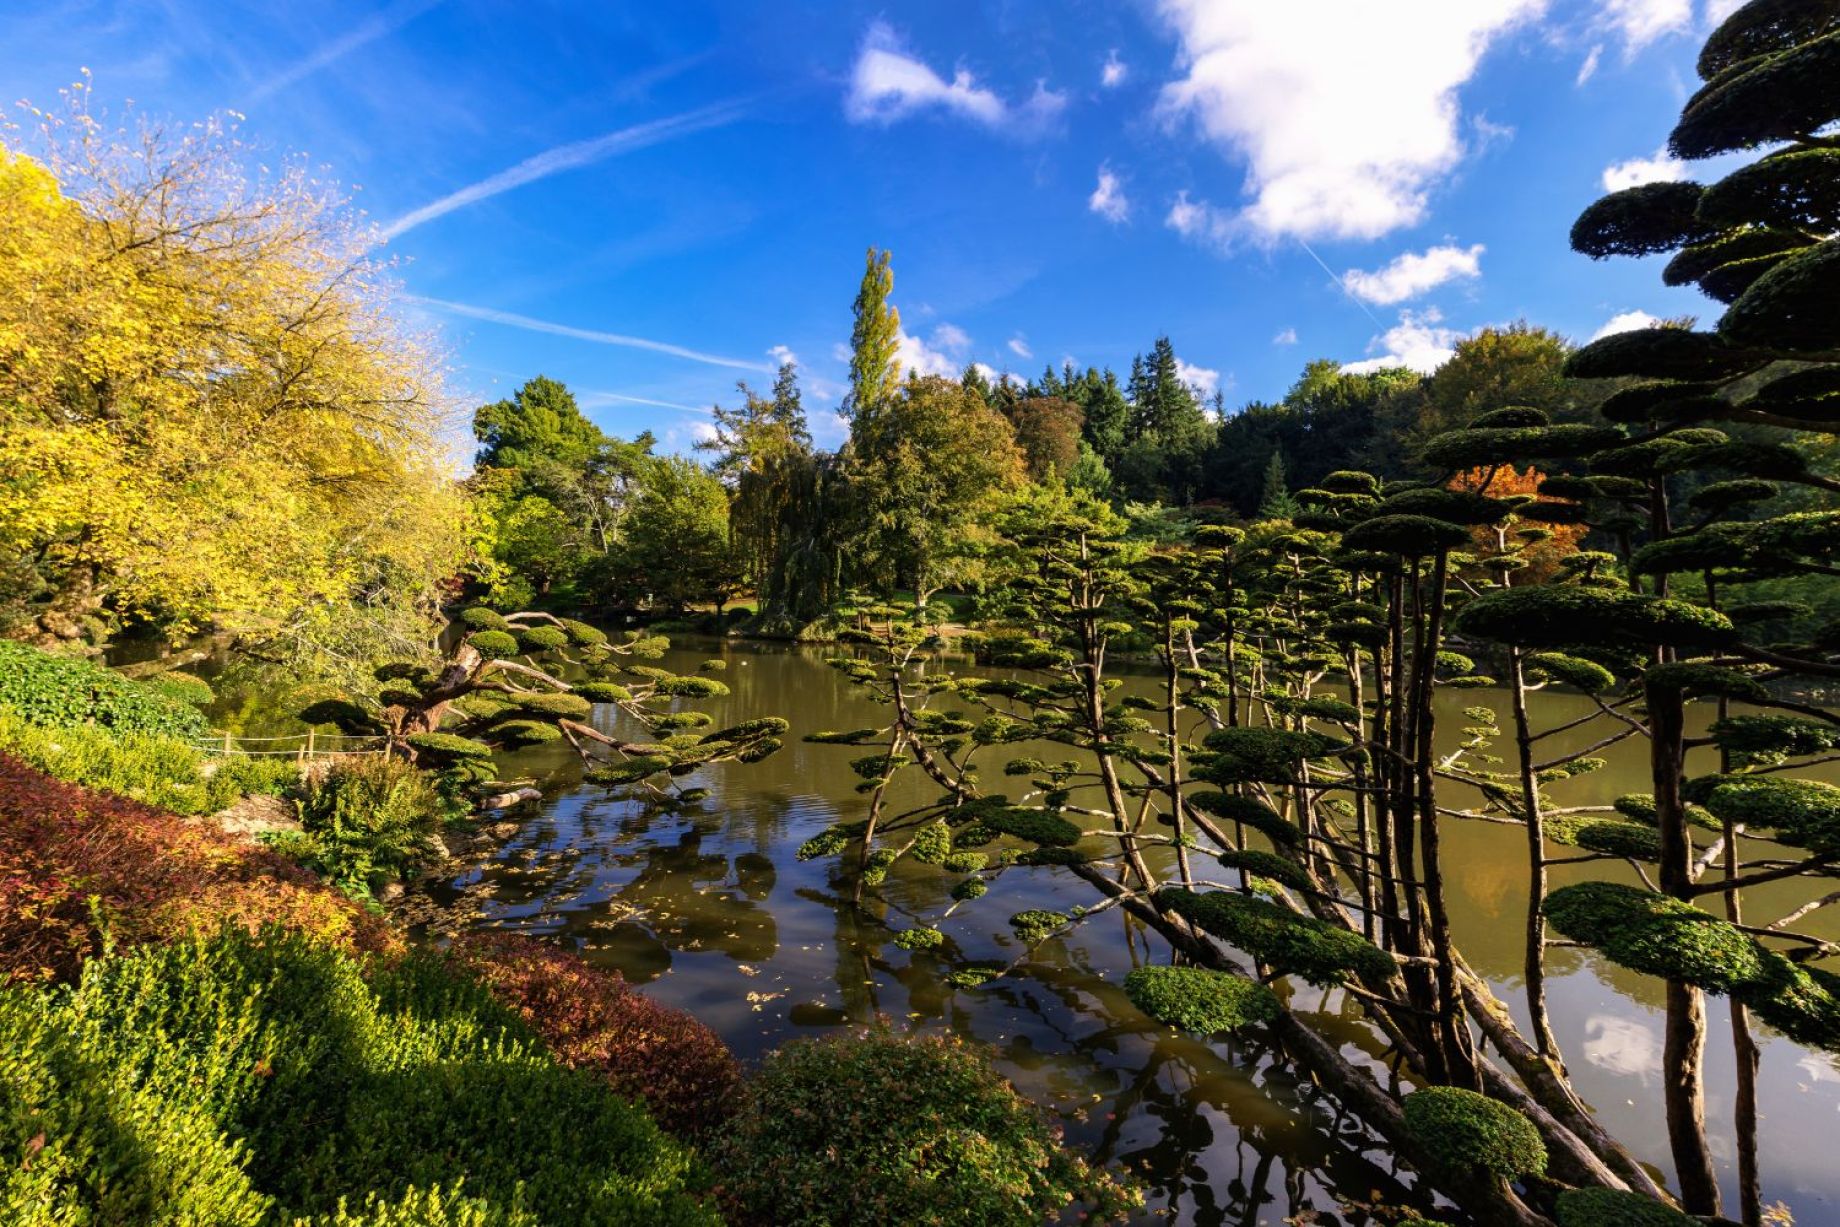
(603, 692)
(1255, 814)
(877, 1128)
(1773, 738)
(1461, 1132)
(932, 843)
(1266, 865)
(541, 638)
(55, 691)
(831, 840)
(1805, 813)
(920, 937)
(1264, 755)
(690, 687)
(1291, 943)
(1574, 671)
(1651, 933)
(149, 767)
(1034, 826)
(1408, 535)
(1616, 1208)
(1200, 1000)
(1560, 616)
(1640, 807)
(480, 618)
(1608, 836)
(965, 862)
(447, 747)
(519, 733)
(182, 688)
(556, 704)
(262, 1079)
(1639, 221)
(581, 634)
(493, 644)
(1034, 925)
(1660, 353)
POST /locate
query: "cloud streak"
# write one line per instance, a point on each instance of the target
(528, 324)
(379, 25)
(571, 156)
(889, 84)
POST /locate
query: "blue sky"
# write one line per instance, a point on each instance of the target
(650, 201)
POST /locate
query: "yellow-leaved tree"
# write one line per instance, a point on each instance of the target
(211, 413)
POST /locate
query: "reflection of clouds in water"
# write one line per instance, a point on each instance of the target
(1622, 1046)
(1819, 1069)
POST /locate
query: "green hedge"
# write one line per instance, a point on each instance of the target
(256, 1080)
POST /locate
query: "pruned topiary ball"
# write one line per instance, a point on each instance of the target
(557, 703)
(1200, 1000)
(1462, 1132)
(1562, 616)
(1292, 943)
(448, 747)
(542, 638)
(480, 618)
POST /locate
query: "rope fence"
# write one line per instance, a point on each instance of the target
(304, 746)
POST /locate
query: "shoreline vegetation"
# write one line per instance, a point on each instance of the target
(210, 1015)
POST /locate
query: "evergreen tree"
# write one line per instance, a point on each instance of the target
(972, 380)
(1107, 411)
(540, 424)
(1275, 501)
(874, 340)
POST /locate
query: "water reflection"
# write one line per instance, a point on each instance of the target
(713, 912)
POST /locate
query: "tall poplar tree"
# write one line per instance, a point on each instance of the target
(874, 339)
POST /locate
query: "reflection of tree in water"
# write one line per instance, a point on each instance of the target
(681, 894)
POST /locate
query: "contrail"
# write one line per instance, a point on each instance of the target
(388, 21)
(510, 320)
(1352, 297)
(595, 398)
(569, 157)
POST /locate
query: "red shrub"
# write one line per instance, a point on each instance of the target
(591, 1018)
(80, 869)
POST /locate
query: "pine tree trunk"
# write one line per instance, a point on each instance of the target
(1535, 961)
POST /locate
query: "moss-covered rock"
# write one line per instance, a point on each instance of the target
(1200, 1000)
(1462, 1132)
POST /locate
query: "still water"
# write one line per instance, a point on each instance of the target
(711, 911)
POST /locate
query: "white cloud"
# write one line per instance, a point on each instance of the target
(1287, 337)
(1637, 171)
(888, 84)
(1627, 321)
(840, 351)
(1344, 111)
(1108, 199)
(1200, 378)
(1020, 347)
(990, 373)
(1418, 341)
(1622, 1046)
(1413, 274)
(568, 157)
(918, 357)
(1200, 221)
(1718, 10)
(510, 320)
(1115, 71)
(1641, 22)
(1588, 69)
(782, 354)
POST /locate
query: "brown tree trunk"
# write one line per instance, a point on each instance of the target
(1534, 963)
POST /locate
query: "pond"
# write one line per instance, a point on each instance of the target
(710, 910)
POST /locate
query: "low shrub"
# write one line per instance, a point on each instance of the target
(1616, 1208)
(60, 691)
(372, 819)
(151, 767)
(592, 1019)
(262, 1079)
(878, 1128)
(82, 870)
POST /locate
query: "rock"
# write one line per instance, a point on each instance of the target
(256, 815)
(502, 830)
(390, 892)
(505, 800)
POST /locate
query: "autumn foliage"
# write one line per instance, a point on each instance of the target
(83, 871)
(592, 1019)
(1492, 540)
